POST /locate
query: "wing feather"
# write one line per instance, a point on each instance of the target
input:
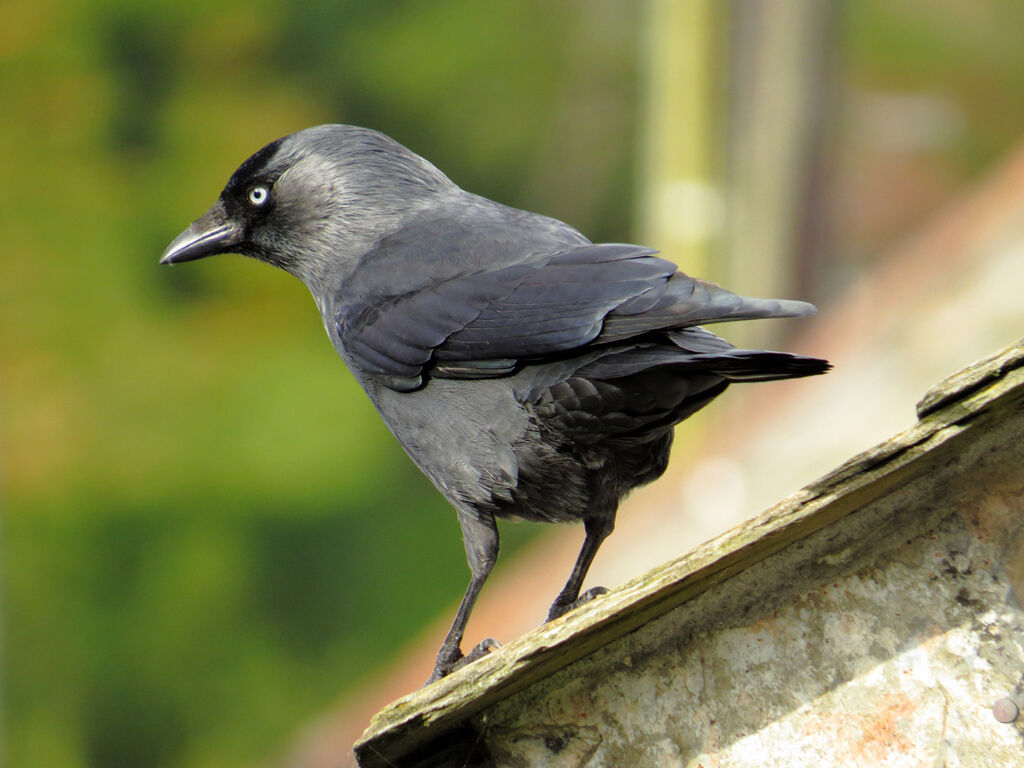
(484, 324)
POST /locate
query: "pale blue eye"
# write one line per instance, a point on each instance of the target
(259, 195)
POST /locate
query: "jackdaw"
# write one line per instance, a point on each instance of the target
(528, 372)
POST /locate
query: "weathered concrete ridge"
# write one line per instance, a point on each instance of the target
(873, 618)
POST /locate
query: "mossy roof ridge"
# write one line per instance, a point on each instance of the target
(950, 409)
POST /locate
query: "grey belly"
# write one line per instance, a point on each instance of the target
(463, 435)
(487, 451)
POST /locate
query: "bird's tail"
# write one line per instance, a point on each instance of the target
(758, 365)
(734, 364)
(697, 350)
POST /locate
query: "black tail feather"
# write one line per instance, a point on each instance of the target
(755, 365)
(697, 350)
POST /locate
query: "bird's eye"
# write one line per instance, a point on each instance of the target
(259, 195)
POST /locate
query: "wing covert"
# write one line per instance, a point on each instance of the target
(482, 324)
(486, 323)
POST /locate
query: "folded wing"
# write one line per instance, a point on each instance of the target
(486, 323)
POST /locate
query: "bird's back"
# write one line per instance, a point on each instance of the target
(546, 426)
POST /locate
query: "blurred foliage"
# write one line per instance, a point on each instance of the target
(930, 99)
(208, 534)
(960, 51)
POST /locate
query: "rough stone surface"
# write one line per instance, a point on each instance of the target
(884, 643)
(872, 619)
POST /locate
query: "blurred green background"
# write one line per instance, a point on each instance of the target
(207, 533)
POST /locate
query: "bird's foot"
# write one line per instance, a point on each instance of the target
(449, 662)
(560, 609)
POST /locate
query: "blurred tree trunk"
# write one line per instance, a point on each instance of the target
(732, 184)
(679, 204)
(781, 76)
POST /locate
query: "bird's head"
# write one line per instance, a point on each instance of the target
(313, 202)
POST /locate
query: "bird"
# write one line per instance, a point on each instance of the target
(527, 371)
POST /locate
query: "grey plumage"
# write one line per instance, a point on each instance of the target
(527, 371)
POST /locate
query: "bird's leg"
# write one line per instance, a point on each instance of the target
(597, 528)
(480, 537)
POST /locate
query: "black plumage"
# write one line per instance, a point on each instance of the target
(528, 372)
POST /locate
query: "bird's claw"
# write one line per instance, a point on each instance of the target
(560, 609)
(445, 667)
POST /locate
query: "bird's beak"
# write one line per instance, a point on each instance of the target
(211, 233)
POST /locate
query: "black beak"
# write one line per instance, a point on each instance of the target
(211, 233)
